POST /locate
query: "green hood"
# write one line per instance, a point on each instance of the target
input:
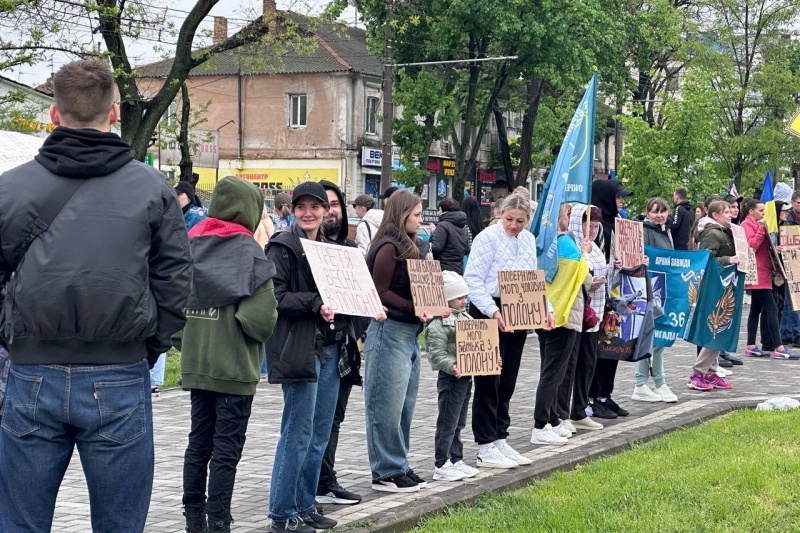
(236, 200)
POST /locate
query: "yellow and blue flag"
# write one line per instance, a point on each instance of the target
(768, 198)
(570, 180)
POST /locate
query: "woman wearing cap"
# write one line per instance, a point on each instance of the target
(391, 352)
(282, 217)
(507, 245)
(304, 361)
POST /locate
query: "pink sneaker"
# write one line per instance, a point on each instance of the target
(699, 382)
(717, 382)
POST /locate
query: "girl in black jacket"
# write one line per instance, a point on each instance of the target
(303, 356)
(450, 241)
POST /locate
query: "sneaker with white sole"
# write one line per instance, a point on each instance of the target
(512, 454)
(567, 424)
(587, 423)
(560, 430)
(447, 472)
(494, 459)
(401, 483)
(643, 393)
(461, 466)
(546, 437)
(666, 394)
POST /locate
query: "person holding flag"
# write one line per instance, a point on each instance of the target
(763, 301)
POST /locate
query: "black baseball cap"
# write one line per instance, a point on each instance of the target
(388, 192)
(621, 190)
(309, 188)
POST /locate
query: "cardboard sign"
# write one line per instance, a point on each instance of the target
(751, 273)
(740, 242)
(523, 302)
(478, 347)
(790, 237)
(791, 264)
(427, 287)
(629, 242)
(343, 279)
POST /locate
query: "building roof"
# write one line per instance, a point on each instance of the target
(330, 48)
(23, 87)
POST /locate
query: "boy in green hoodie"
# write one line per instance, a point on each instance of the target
(230, 314)
(454, 390)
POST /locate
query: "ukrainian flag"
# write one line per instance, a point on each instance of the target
(572, 271)
(768, 198)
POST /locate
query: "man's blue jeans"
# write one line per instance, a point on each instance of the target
(790, 320)
(305, 429)
(157, 372)
(103, 409)
(391, 381)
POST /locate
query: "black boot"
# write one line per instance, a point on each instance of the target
(219, 525)
(195, 518)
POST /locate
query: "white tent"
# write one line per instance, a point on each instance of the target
(17, 148)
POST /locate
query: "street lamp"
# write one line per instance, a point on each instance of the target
(231, 121)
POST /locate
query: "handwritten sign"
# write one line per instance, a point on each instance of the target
(790, 237)
(751, 276)
(478, 347)
(523, 303)
(740, 243)
(427, 287)
(629, 242)
(791, 263)
(343, 279)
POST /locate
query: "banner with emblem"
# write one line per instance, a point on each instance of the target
(715, 321)
(675, 276)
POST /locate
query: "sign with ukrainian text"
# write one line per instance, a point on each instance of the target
(629, 242)
(523, 302)
(478, 347)
(427, 287)
(791, 264)
(790, 237)
(343, 279)
(741, 246)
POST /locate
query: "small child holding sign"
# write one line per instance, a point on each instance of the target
(454, 390)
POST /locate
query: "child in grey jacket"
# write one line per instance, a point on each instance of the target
(454, 390)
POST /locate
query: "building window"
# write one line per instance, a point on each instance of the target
(299, 109)
(372, 115)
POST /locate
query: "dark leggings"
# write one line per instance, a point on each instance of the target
(763, 302)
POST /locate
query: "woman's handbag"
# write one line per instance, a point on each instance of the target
(590, 318)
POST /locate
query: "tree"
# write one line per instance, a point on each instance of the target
(38, 29)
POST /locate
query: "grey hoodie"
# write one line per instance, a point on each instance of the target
(367, 228)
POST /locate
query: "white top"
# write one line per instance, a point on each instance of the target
(494, 250)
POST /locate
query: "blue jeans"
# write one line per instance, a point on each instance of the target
(642, 371)
(790, 320)
(305, 429)
(391, 381)
(103, 409)
(157, 372)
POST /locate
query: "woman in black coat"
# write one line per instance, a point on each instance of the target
(450, 242)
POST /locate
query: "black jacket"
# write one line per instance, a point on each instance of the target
(450, 242)
(604, 196)
(681, 224)
(291, 351)
(108, 281)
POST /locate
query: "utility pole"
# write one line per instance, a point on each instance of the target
(388, 105)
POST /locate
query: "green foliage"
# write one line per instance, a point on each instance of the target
(664, 485)
(20, 113)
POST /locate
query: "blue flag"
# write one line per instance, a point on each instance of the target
(768, 197)
(675, 276)
(714, 324)
(570, 180)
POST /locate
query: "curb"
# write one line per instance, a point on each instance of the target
(410, 515)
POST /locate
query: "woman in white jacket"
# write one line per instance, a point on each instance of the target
(507, 245)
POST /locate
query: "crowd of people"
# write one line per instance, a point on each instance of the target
(231, 287)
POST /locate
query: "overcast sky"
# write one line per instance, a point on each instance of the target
(141, 52)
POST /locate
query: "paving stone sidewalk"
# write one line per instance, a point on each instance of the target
(383, 511)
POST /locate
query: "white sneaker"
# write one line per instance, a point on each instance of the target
(724, 372)
(512, 454)
(643, 393)
(546, 437)
(494, 459)
(560, 430)
(448, 473)
(567, 424)
(666, 394)
(587, 423)
(461, 466)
